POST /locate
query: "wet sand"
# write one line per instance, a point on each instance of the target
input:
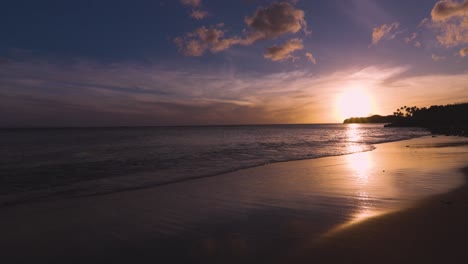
(364, 207)
(432, 231)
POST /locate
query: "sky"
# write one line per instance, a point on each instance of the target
(202, 62)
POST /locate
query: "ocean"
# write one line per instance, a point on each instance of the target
(52, 163)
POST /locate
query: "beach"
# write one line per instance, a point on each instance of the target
(431, 231)
(402, 202)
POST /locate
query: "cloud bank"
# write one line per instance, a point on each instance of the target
(42, 93)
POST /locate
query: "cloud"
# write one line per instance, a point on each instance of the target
(192, 3)
(190, 47)
(426, 90)
(268, 22)
(444, 10)
(412, 40)
(128, 94)
(453, 34)
(4, 60)
(202, 39)
(43, 92)
(199, 14)
(463, 52)
(383, 32)
(450, 20)
(437, 58)
(48, 93)
(279, 53)
(275, 20)
(311, 57)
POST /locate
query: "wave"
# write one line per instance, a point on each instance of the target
(135, 164)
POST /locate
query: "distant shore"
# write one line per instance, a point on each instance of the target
(436, 129)
(449, 120)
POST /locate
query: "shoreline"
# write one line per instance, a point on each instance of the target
(429, 231)
(275, 213)
(41, 197)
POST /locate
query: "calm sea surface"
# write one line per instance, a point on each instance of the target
(48, 163)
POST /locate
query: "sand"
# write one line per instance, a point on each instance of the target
(382, 206)
(432, 231)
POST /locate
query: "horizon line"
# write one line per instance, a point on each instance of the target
(154, 126)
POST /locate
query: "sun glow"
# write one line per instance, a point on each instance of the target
(354, 103)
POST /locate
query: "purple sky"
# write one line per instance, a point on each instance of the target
(200, 62)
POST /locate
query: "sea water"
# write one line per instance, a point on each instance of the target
(51, 163)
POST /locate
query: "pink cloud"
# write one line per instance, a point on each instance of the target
(311, 57)
(192, 3)
(384, 31)
(463, 52)
(199, 14)
(268, 22)
(279, 53)
(450, 20)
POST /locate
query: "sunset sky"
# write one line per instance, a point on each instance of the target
(201, 62)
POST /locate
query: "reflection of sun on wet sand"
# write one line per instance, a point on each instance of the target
(432, 231)
(332, 209)
(356, 218)
(360, 166)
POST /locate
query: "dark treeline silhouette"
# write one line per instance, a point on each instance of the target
(372, 119)
(449, 119)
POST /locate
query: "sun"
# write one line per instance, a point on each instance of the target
(353, 103)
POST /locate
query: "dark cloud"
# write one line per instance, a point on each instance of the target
(279, 53)
(275, 20)
(444, 10)
(268, 22)
(202, 39)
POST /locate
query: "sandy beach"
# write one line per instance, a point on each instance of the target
(431, 231)
(403, 202)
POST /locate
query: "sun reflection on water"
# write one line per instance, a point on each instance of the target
(352, 133)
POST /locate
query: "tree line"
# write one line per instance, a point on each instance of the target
(444, 119)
